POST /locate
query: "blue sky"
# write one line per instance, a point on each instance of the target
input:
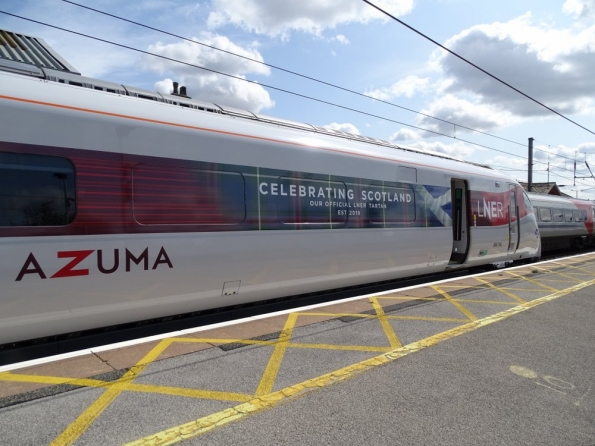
(544, 48)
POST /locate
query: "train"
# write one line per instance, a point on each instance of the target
(119, 204)
(564, 223)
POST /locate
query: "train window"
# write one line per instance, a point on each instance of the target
(578, 215)
(558, 215)
(545, 214)
(389, 205)
(182, 196)
(37, 190)
(567, 215)
(302, 201)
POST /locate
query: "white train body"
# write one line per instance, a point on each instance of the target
(564, 222)
(152, 209)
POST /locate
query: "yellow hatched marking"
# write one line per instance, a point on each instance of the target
(541, 285)
(190, 393)
(82, 423)
(460, 307)
(588, 272)
(130, 387)
(584, 273)
(338, 315)
(560, 281)
(203, 425)
(270, 374)
(357, 348)
(481, 287)
(393, 340)
(371, 316)
(574, 279)
(433, 319)
(502, 290)
(53, 380)
(479, 301)
(526, 290)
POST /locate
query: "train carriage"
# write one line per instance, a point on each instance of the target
(121, 205)
(564, 223)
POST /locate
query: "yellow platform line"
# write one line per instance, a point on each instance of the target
(205, 424)
(82, 423)
(541, 285)
(574, 279)
(430, 319)
(526, 290)
(479, 301)
(190, 393)
(561, 280)
(338, 315)
(480, 287)
(393, 340)
(130, 387)
(52, 380)
(270, 374)
(588, 273)
(453, 301)
(501, 290)
(353, 348)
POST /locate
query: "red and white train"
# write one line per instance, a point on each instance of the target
(564, 223)
(119, 205)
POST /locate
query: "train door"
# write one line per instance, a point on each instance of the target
(513, 221)
(460, 221)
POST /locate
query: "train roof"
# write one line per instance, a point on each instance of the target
(32, 56)
(556, 198)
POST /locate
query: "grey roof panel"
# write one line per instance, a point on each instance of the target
(31, 50)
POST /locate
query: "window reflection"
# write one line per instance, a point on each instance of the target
(36, 190)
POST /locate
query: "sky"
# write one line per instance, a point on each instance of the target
(387, 81)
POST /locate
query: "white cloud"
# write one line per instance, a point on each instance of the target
(458, 150)
(208, 86)
(280, 18)
(197, 54)
(463, 112)
(345, 127)
(404, 87)
(342, 39)
(579, 8)
(406, 135)
(554, 66)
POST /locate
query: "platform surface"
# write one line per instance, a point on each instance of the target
(501, 358)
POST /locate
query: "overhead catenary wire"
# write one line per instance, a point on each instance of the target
(304, 76)
(266, 86)
(475, 66)
(258, 83)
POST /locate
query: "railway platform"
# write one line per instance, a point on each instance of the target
(505, 357)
